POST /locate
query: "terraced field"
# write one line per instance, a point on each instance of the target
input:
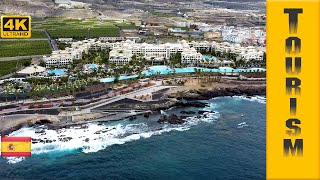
(58, 27)
(8, 67)
(83, 32)
(38, 34)
(24, 48)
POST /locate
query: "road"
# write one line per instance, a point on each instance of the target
(30, 39)
(22, 57)
(52, 42)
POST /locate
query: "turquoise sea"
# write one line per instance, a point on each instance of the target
(228, 143)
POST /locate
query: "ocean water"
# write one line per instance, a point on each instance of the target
(228, 143)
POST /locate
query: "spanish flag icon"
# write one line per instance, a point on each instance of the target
(15, 146)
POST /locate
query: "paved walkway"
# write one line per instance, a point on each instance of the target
(36, 101)
(139, 92)
(89, 107)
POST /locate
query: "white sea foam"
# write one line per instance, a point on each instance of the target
(14, 160)
(242, 125)
(259, 99)
(211, 105)
(163, 112)
(96, 137)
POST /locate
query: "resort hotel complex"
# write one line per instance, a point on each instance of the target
(122, 52)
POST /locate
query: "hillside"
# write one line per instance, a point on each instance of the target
(116, 9)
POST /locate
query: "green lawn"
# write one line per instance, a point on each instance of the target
(7, 67)
(24, 48)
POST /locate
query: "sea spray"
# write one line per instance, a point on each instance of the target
(259, 99)
(94, 137)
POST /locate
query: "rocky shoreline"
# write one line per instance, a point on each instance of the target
(205, 94)
(184, 98)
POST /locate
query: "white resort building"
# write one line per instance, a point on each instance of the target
(63, 58)
(120, 57)
(151, 52)
(191, 56)
(122, 52)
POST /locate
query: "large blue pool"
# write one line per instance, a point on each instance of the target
(121, 78)
(167, 70)
(210, 58)
(92, 66)
(163, 70)
(56, 72)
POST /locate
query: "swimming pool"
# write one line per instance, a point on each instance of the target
(163, 70)
(56, 72)
(167, 70)
(210, 58)
(121, 78)
(92, 66)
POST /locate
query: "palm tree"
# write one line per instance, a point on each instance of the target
(134, 57)
(116, 76)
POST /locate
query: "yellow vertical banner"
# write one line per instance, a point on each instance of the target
(293, 78)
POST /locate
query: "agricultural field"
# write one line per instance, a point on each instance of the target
(38, 34)
(24, 48)
(79, 29)
(79, 33)
(7, 67)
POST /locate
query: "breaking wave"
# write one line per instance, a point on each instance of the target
(259, 99)
(14, 160)
(91, 138)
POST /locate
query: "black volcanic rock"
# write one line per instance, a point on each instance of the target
(204, 111)
(171, 119)
(146, 115)
(217, 92)
(191, 104)
(187, 112)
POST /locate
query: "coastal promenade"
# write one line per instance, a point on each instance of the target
(95, 112)
(87, 114)
(139, 92)
(89, 107)
(36, 101)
